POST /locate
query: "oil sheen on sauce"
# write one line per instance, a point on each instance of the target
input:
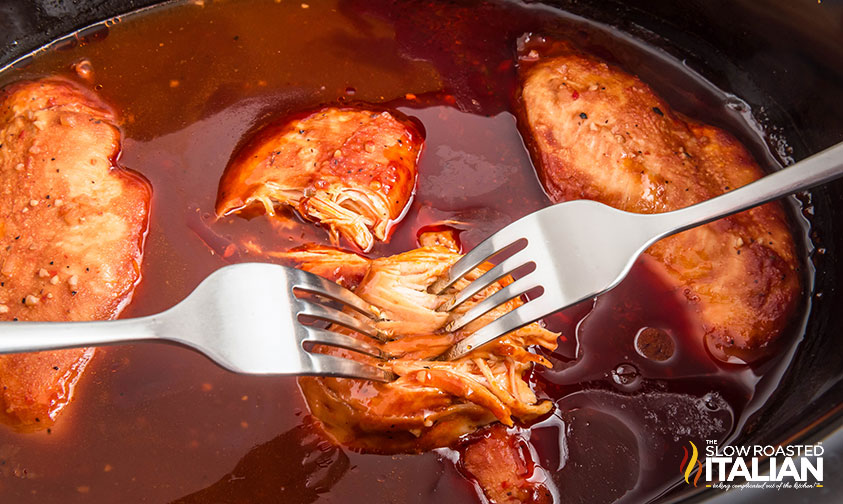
(158, 423)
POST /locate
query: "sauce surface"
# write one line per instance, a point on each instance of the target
(157, 423)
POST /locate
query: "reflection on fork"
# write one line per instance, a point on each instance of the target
(251, 318)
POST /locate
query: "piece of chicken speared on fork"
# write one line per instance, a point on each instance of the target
(432, 403)
(351, 170)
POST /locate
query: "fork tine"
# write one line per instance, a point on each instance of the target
(502, 269)
(330, 365)
(318, 285)
(512, 290)
(525, 314)
(326, 337)
(467, 263)
(328, 314)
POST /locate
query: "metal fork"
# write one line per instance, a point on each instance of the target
(580, 249)
(245, 317)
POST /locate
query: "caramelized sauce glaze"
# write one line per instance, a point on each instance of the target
(158, 423)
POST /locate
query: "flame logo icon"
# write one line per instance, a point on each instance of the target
(686, 467)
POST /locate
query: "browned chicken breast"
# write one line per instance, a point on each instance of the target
(597, 132)
(504, 469)
(351, 170)
(72, 226)
(432, 403)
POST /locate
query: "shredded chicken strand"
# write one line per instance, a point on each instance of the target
(351, 170)
(432, 403)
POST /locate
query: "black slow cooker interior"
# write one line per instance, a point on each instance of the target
(783, 57)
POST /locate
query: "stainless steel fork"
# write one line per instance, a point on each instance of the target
(245, 317)
(580, 249)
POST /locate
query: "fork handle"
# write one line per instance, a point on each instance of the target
(815, 170)
(37, 336)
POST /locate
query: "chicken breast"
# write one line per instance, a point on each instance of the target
(351, 170)
(432, 403)
(597, 132)
(72, 227)
(504, 469)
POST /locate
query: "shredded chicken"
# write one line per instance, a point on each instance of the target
(351, 170)
(432, 403)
